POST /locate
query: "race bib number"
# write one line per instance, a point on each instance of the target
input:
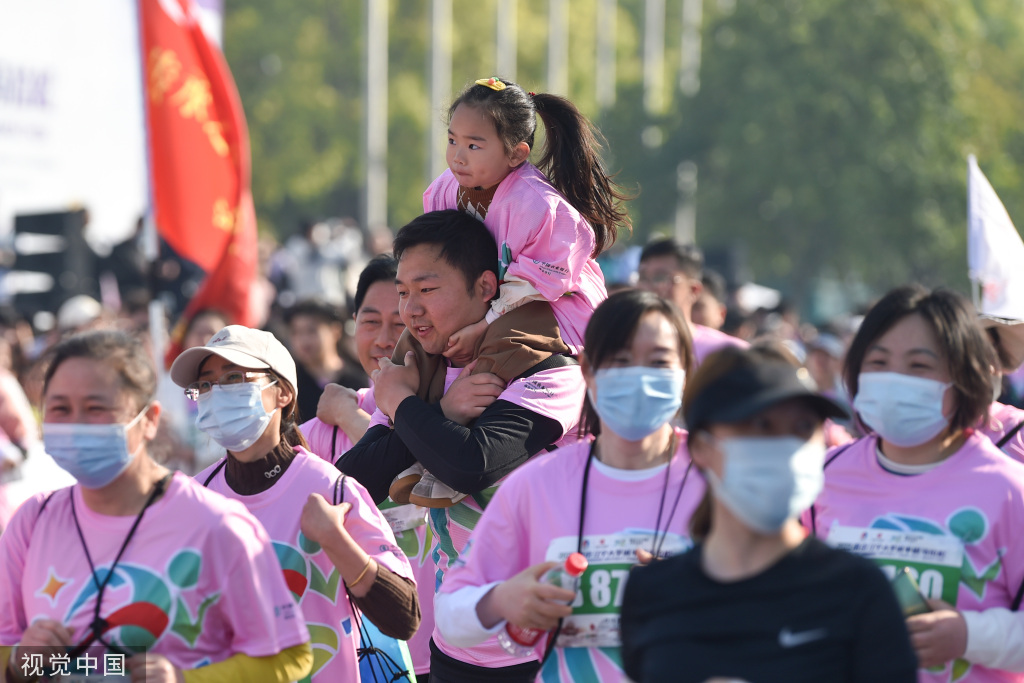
(934, 561)
(594, 621)
(402, 517)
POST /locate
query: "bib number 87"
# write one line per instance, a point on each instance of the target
(602, 589)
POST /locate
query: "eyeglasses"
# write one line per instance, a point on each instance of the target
(659, 279)
(202, 387)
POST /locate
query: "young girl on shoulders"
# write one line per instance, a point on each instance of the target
(550, 222)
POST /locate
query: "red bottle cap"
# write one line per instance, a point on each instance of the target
(575, 564)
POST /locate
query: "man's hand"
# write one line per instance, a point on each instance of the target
(463, 345)
(469, 395)
(339, 407)
(392, 383)
(938, 636)
(336, 403)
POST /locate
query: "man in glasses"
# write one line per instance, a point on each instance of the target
(673, 271)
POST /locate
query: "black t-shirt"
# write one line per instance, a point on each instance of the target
(818, 615)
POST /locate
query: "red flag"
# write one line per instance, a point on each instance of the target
(199, 152)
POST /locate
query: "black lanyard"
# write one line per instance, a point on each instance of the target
(99, 625)
(656, 543)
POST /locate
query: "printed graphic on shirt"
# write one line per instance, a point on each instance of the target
(452, 527)
(934, 557)
(504, 261)
(303, 575)
(139, 606)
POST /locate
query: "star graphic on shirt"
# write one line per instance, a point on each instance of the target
(53, 586)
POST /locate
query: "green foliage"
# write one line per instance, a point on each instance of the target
(830, 136)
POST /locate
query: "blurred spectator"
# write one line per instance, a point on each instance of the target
(711, 307)
(179, 443)
(825, 355)
(315, 329)
(78, 313)
(673, 271)
(314, 261)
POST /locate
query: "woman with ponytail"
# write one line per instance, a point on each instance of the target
(322, 524)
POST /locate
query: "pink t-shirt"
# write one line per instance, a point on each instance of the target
(312, 578)
(320, 435)
(1001, 420)
(957, 526)
(198, 582)
(414, 541)
(534, 517)
(707, 340)
(541, 239)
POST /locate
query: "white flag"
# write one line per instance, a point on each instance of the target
(995, 252)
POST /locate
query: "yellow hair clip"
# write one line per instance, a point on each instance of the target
(494, 83)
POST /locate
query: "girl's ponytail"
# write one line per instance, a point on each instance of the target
(571, 159)
(572, 162)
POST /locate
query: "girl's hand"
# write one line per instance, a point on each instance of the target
(524, 601)
(320, 520)
(150, 668)
(938, 636)
(463, 345)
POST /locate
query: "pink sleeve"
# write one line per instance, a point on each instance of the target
(556, 393)
(556, 244)
(256, 602)
(378, 418)
(441, 194)
(13, 549)
(498, 548)
(320, 436)
(367, 526)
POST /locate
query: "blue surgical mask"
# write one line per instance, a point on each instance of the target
(767, 480)
(94, 454)
(902, 409)
(233, 415)
(635, 401)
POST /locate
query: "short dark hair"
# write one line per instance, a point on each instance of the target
(381, 268)
(611, 329)
(120, 350)
(714, 286)
(689, 257)
(967, 350)
(464, 241)
(318, 309)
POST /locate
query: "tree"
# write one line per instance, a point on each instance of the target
(834, 135)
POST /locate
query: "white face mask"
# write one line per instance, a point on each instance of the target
(767, 480)
(902, 409)
(233, 415)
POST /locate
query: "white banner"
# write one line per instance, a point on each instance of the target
(995, 253)
(71, 115)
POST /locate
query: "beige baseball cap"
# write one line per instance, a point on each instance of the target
(243, 346)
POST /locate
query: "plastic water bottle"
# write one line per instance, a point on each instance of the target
(518, 641)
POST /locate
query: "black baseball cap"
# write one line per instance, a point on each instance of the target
(753, 384)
